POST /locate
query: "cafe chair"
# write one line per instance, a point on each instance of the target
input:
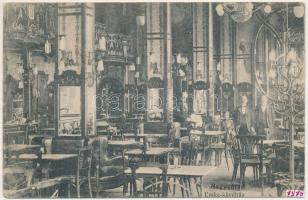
(155, 186)
(250, 155)
(107, 171)
(83, 174)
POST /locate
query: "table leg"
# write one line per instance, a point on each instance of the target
(201, 186)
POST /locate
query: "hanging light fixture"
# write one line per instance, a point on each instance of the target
(140, 20)
(220, 10)
(240, 11)
(20, 85)
(299, 11)
(267, 9)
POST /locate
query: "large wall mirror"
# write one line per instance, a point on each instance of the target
(69, 111)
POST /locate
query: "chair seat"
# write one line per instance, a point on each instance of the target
(52, 182)
(266, 161)
(27, 192)
(251, 161)
(21, 193)
(218, 146)
(109, 182)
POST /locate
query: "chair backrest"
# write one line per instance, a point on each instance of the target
(156, 128)
(250, 144)
(84, 161)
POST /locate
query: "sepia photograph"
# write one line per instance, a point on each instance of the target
(195, 99)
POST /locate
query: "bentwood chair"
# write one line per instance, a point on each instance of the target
(250, 154)
(156, 186)
(83, 174)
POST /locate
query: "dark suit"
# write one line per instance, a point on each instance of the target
(263, 119)
(242, 121)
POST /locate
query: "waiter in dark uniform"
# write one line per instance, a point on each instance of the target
(264, 117)
(243, 118)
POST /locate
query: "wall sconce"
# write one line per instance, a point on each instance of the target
(151, 57)
(218, 66)
(100, 66)
(91, 58)
(47, 47)
(20, 85)
(34, 69)
(125, 48)
(62, 43)
(137, 74)
(179, 58)
(138, 60)
(132, 67)
(31, 11)
(20, 68)
(140, 20)
(102, 43)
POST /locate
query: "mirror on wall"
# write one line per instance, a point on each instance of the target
(69, 111)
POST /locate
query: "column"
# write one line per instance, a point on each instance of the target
(76, 60)
(159, 62)
(200, 58)
(212, 69)
(168, 66)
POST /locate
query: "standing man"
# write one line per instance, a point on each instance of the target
(264, 117)
(243, 118)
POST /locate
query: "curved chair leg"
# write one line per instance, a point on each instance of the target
(78, 190)
(234, 172)
(90, 187)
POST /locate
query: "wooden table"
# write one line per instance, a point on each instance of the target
(116, 143)
(176, 172)
(299, 144)
(271, 142)
(19, 147)
(153, 152)
(48, 157)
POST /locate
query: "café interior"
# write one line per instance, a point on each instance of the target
(156, 99)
